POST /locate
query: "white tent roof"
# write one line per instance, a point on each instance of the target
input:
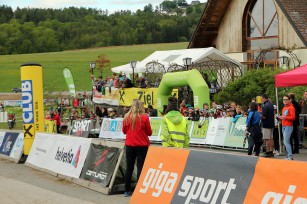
(126, 68)
(169, 57)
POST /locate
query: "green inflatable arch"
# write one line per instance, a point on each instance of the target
(192, 78)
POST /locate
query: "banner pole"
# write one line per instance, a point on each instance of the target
(279, 135)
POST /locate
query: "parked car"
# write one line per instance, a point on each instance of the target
(15, 90)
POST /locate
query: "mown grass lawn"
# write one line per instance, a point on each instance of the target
(77, 60)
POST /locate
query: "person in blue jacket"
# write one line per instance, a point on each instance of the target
(253, 130)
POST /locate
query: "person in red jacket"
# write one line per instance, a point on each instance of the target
(137, 128)
(288, 116)
(57, 118)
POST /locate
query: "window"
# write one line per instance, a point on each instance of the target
(260, 30)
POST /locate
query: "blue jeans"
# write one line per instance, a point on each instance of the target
(287, 131)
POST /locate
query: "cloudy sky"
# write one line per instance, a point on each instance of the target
(111, 5)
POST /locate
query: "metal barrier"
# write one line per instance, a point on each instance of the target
(303, 130)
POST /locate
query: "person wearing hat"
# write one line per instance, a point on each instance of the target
(174, 127)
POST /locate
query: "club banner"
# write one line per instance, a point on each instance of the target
(32, 102)
(69, 81)
(82, 128)
(236, 133)
(100, 164)
(8, 142)
(60, 154)
(112, 129)
(155, 123)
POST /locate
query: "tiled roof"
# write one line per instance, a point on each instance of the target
(296, 12)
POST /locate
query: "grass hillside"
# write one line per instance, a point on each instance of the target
(77, 60)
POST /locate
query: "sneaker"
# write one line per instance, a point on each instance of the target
(288, 158)
(127, 194)
(276, 152)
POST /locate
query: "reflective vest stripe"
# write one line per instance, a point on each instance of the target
(177, 133)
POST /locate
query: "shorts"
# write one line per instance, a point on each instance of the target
(267, 133)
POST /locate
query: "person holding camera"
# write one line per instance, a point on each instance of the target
(253, 130)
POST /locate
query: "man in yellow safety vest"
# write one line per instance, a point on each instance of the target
(174, 127)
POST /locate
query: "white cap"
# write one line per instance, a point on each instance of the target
(110, 109)
(275, 107)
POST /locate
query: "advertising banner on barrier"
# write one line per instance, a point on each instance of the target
(286, 183)
(2, 134)
(217, 131)
(197, 177)
(160, 175)
(8, 143)
(100, 164)
(215, 178)
(112, 128)
(50, 126)
(111, 97)
(60, 154)
(82, 128)
(155, 123)
(236, 133)
(17, 150)
(148, 96)
(198, 134)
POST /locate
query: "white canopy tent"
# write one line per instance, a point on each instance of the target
(169, 57)
(126, 68)
(198, 55)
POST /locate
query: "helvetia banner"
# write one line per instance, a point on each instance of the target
(69, 81)
(32, 102)
(100, 164)
(60, 154)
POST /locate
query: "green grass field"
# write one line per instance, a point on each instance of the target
(78, 62)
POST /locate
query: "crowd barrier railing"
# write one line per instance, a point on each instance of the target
(207, 177)
(93, 163)
(214, 132)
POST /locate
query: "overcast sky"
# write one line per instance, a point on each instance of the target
(111, 5)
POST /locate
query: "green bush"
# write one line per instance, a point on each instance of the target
(252, 84)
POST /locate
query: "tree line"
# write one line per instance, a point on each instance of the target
(34, 30)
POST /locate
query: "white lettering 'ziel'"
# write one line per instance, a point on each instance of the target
(159, 180)
(276, 198)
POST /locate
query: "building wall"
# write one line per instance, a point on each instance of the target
(229, 39)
